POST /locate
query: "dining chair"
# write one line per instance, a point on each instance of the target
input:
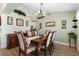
(34, 33)
(52, 40)
(47, 31)
(23, 47)
(47, 45)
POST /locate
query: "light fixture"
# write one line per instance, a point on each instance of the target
(40, 14)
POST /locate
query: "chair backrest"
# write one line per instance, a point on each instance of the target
(54, 32)
(21, 41)
(47, 31)
(29, 33)
(49, 37)
(36, 33)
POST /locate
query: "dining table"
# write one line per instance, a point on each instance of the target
(38, 40)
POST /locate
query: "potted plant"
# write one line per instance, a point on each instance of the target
(72, 35)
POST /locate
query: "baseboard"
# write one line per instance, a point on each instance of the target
(67, 44)
(62, 43)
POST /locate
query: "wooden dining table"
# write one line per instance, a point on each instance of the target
(39, 42)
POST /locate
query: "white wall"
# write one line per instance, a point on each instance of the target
(11, 28)
(78, 36)
(77, 14)
(77, 17)
(61, 34)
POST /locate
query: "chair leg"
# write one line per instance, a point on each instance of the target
(52, 45)
(36, 51)
(45, 51)
(19, 52)
(49, 50)
(25, 54)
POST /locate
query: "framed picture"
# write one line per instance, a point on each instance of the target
(50, 24)
(19, 22)
(64, 24)
(9, 20)
(40, 26)
(27, 23)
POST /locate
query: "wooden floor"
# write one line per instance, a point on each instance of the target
(60, 50)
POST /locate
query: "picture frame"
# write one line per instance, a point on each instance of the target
(63, 24)
(50, 24)
(9, 20)
(40, 26)
(19, 22)
(27, 23)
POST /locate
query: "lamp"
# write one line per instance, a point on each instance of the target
(40, 14)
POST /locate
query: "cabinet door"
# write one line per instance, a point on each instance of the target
(12, 40)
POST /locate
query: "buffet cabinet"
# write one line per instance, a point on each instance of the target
(12, 40)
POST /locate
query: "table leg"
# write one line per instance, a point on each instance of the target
(75, 44)
(37, 50)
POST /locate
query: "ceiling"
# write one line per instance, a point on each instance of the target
(1, 7)
(53, 7)
(1, 4)
(10, 7)
(48, 7)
